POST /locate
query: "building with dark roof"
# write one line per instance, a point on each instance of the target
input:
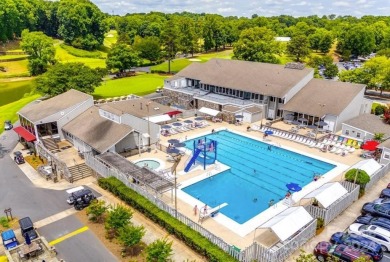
(364, 127)
(276, 90)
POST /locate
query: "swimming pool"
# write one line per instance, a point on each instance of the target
(257, 174)
(152, 164)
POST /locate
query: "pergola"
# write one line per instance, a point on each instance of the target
(143, 175)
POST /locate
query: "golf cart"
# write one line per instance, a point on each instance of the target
(80, 197)
(8, 125)
(9, 239)
(18, 158)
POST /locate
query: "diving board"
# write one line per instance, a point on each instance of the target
(210, 212)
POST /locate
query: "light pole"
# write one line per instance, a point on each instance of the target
(177, 161)
(147, 106)
(319, 120)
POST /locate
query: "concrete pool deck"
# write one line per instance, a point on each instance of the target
(244, 239)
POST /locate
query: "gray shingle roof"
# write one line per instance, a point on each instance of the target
(385, 144)
(136, 107)
(98, 132)
(41, 110)
(370, 123)
(334, 94)
(261, 78)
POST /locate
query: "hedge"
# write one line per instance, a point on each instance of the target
(190, 237)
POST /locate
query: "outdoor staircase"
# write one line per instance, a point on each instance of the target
(50, 144)
(79, 171)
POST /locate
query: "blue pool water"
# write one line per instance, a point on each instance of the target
(257, 175)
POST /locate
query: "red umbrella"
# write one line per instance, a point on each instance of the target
(370, 145)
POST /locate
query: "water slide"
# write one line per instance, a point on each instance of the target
(193, 159)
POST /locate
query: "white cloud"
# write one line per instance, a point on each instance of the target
(247, 8)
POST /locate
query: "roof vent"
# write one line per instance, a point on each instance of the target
(156, 108)
(293, 65)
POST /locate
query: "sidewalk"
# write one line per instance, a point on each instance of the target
(346, 218)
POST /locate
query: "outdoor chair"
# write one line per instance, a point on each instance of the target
(334, 149)
(351, 149)
(338, 152)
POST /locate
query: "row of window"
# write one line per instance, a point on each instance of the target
(358, 134)
(110, 116)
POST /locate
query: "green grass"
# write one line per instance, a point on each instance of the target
(179, 64)
(15, 69)
(8, 111)
(64, 57)
(110, 38)
(11, 91)
(6, 57)
(83, 53)
(138, 85)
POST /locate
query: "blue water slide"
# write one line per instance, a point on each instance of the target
(193, 159)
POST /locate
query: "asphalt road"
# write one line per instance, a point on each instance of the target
(17, 192)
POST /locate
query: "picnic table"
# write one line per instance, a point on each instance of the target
(29, 250)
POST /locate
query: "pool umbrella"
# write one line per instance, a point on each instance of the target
(173, 141)
(173, 151)
(177, 124)
(188, 121)
(27, 238)
(239, 116)
(269, 132)
(199, 118)
(321, 123)
(370, 145)
(166, 127)
(179, 145)
(293, 187)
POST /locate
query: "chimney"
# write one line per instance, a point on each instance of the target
(141, 105)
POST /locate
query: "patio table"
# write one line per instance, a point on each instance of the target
(30, 250)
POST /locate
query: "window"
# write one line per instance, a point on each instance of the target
(347, 132)
(358, 135)
(386, 156)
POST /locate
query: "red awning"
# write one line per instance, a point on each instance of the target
(172, 113)
(21, 131)
(370, 145)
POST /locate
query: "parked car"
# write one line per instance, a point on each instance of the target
(388, 185)
(82, 198)
(385, 193)
(381, 200)
(70, 199)
(324, 249)
(9, 239)
(8, 125)
(361, 243)
(376, 221)
(381, 210)
(375, 233)
(18, 158)
(27, 227)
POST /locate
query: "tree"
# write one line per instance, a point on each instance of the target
(96, 210)
(359, 39)
(159, 251)
(149, 48)
(117, 218)
(81, 24)
(304, 257)
(331, 71)
(357, 175)
(40, 49)
(213, 33)
(257, 44)
(298, 47)
(63, 77)
(170, 38)
(122, 57)
(130, 236)
(379, 137)
(188, 37)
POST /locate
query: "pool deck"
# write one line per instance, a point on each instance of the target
(245, 236)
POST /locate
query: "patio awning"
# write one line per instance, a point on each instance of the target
(328, 193)
(368, 165)
(288, 222)
(173, 113)
(159, 119)
(22, 132)
(209, 111)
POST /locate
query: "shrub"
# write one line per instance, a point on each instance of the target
(362, 178)
(320, 223)
(159, 250)
(4, 222)
(96, 210)
(380, 110)
(190, 237)
(117, 218)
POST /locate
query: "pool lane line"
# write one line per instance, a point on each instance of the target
(69, 235)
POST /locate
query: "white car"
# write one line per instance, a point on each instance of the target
(374, 233)
(381, 200)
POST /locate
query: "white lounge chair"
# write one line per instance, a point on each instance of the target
(338, 151)
(334, 149)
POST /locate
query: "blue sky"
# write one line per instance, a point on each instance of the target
(248, 7)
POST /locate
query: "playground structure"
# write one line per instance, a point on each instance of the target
(204, 151)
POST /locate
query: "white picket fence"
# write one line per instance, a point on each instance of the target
(377, 176)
